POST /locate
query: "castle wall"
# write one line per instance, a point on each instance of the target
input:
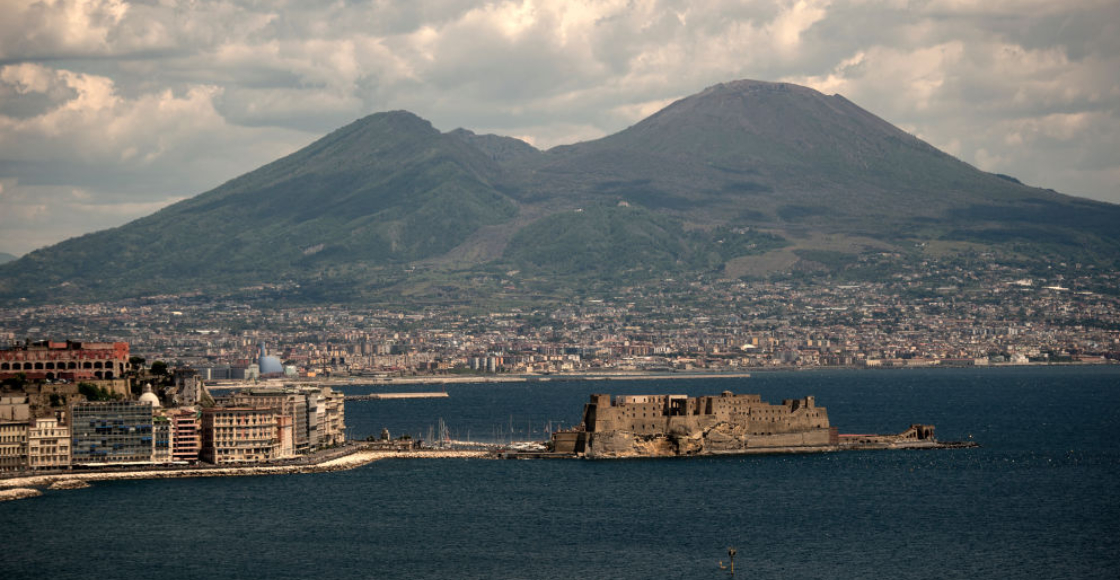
(75, 361)
(662, 414)
(679, 425)
(568, 442)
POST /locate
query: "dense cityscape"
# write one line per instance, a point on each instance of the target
(929, 315)
(79, 379)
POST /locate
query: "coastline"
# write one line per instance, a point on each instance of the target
(746, 452)
(626, 375)
(475, 379)
(25, 486)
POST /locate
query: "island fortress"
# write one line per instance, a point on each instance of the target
(666, 425)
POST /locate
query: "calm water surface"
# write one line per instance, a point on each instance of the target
(1040, 499)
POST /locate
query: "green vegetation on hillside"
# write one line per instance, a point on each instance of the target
(626, 243)
(728, 182)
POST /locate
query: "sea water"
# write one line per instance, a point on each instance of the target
(1039, 499)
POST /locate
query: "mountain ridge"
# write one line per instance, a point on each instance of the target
(741, 169)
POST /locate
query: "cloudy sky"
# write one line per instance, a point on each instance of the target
(112, 109)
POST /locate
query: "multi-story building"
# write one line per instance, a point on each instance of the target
(239, 435)
(111, 432)
(284, 401)
(185, 437)
(189, 387)
(285, 437)
(162, 439)
(13, 445)
(76, 361)
(325, 417)
(335, 432)
(317, 413)
(48, 445)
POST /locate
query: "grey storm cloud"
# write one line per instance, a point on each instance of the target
(110, 109)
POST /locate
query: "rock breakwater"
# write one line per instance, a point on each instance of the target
(70, 484)
(18, 493)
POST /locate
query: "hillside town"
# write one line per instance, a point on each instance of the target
(932, 314)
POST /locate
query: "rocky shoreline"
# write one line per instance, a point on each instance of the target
(25, 487)
(18, 493)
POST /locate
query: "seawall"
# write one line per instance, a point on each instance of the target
(349, 461)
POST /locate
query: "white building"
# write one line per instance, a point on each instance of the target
(48, 445)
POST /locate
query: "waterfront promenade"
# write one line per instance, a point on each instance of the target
(356, 456)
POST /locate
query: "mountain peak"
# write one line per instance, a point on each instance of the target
(400, 122)
(749, 122)
(755, 102)
(747, 86)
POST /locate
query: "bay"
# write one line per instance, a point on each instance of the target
(1039, 499)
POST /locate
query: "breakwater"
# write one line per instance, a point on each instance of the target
(18, 493)
(389, 396)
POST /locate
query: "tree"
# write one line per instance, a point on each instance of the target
(159, 368)
(15, 383)
(93, 392)
(136, 363)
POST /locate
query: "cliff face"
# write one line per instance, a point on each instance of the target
(722, 439)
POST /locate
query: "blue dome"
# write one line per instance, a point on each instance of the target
(270, 365)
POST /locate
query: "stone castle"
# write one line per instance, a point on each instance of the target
(671, 425)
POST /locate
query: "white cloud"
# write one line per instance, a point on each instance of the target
(798, 17)
(1036, 113)
(97, 123)
(1005, 7)
(60, 26)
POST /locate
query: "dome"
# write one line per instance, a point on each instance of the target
(271, 365)
(149, 397)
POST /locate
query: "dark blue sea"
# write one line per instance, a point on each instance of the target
(1039, 499)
